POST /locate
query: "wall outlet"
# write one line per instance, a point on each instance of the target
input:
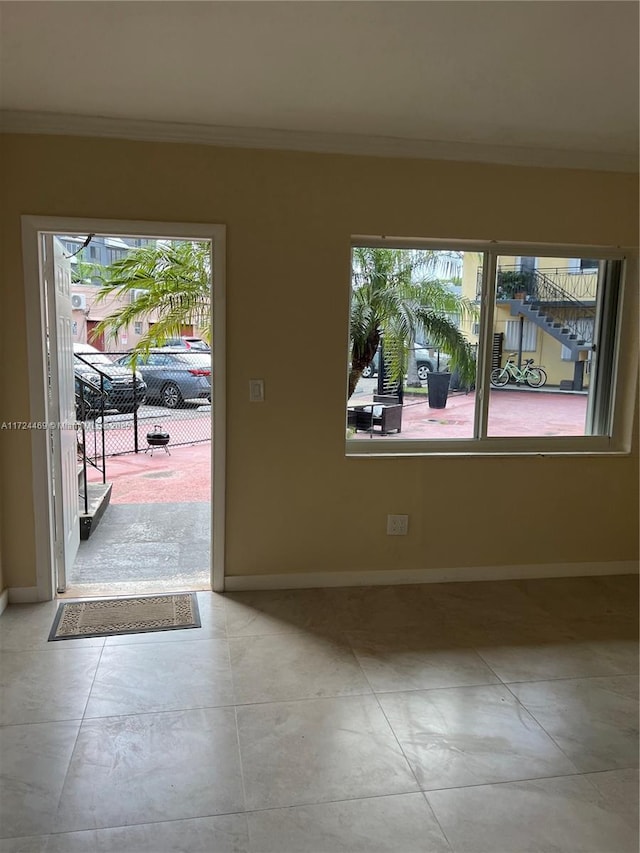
(397, 525)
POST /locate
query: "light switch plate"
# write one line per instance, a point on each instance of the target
(256, 390)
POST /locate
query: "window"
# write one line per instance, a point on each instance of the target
(114, 255)
(588, 264)
(520, 335)
(505, 337)
(137, 327)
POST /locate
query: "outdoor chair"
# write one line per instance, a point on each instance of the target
(388, 418)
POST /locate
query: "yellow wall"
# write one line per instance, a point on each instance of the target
(548, 352)
(295, 503)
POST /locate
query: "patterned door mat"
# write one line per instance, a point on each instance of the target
(108, 616)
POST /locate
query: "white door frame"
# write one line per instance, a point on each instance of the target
(35, 306)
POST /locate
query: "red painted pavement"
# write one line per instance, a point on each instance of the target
(511, 413)
(139, 478)
(185, 476)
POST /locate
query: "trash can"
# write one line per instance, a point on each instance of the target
(438, 387)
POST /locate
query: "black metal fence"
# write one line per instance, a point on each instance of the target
(119, 404)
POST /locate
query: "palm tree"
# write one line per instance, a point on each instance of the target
(397, 295)
(169, 281)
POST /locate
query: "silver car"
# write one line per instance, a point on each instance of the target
(427, 360)
(174, 376)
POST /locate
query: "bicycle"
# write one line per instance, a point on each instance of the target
(535, 377)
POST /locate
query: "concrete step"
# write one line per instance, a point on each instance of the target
(99, 495)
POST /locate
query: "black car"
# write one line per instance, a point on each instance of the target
(105, 386)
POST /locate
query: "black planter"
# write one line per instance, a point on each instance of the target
(438, 386)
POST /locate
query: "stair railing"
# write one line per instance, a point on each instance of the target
(567, 309)
(84, 411)
(541, 292)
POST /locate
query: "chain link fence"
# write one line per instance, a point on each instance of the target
(120, 404)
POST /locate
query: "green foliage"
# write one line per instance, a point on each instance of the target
(510, 282)
(403, 295)
(175, 283)
(84, 272)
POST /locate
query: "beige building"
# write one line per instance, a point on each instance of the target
(88, 311)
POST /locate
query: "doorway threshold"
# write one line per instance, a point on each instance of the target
(108, 590)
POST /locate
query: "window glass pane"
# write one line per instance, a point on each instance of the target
(414, 324)
(543, 328)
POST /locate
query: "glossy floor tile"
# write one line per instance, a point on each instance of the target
(495, 717)
(138, 679)
(376, 825)
(152, 767)
(34, 762)
(421, 658)
(296, 665)
(471, 735)
(321, 749)
(220, 834)
(561, 815)
(593, 720)
(41, 686)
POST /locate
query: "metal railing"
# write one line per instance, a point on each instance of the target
(579, 285)
(562, 307)
(116, 412)
(97, 461)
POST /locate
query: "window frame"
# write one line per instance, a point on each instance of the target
(615, 437)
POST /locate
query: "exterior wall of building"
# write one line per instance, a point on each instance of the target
(548, 352)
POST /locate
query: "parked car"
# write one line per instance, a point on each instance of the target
(173, 376)
(427, 360)
(196, 344)
(123, 390)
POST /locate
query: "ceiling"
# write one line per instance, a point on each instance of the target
(476, 80)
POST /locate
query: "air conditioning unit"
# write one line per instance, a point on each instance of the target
(137, 293)
(79, 302)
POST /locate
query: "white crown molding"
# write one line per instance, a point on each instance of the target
(391, 577)
(61, 124)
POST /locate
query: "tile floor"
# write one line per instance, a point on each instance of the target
(476, 718)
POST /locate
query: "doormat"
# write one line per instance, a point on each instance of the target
(106, 617)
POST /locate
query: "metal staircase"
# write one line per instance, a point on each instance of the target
(556, 311)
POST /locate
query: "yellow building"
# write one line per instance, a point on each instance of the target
(545, 310)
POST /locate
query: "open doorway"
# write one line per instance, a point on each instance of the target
(133, 423)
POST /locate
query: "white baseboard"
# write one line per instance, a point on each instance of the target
(23, 594)
(409, 576)
(4, 600)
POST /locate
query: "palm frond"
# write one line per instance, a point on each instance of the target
(399, 296)
(172, 285)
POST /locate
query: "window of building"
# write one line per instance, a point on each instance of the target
(590, 264)
(521, 335)
(494, 379)
(137, 327)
